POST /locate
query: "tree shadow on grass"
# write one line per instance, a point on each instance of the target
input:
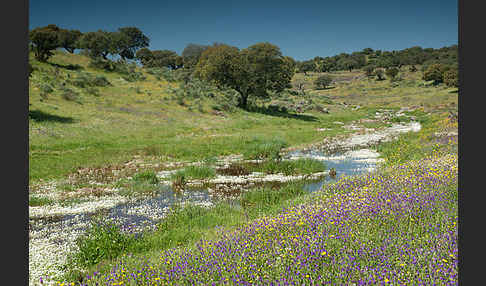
(40, 116)
(68, 66)
(280, 113)
(326, 88)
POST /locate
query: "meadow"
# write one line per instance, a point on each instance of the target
(395, 226)
(125, 119)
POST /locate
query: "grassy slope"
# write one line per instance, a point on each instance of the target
(131, 118)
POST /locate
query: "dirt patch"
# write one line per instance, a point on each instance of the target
(233, 170)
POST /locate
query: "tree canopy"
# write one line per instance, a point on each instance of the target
(68, 39)
(129, 41)
(192, 53)
(159, 58)
(43, 41)
(98, 44)
(252, 71)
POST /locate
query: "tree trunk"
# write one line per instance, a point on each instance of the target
(243, 101)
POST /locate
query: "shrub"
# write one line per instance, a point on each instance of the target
(100, 80)
(100, 63)
(92, 91)
(70, 95)
(451, 78)
(86, 79)
(45, 88)
(134, 76)
(369, 70)
(391, 72)
(434, 73)
(379, 74)
(322, 82)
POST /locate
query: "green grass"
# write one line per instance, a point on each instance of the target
(119, 123)
(102, 240)
(193, 172)
(414, 146)
(258, 148)
(146, 176)
(103, 243)
(301, 166)
(35, 200)
(264, 201)
(143, 118)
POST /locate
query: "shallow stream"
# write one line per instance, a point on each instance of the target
(52, 238)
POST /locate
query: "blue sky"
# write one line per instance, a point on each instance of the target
(302, 29)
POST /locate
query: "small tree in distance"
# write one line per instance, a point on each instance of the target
(369, 69)
(379, 74)
(434, 72)
(391, 72)
(322, 82)
(252, 71)
(44, 40)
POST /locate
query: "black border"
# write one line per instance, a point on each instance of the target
(471, 70)
(15, 139)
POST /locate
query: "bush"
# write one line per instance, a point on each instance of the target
(434, 73)
(322, 82)
(134, 76)
(102, 64)
(86, 79)
(451, 78)
(369, 70)
(391, 72)
(379, 74)
(92, 91)
(70, 95)
(45, 88)
(100, 80)
(127, 70)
